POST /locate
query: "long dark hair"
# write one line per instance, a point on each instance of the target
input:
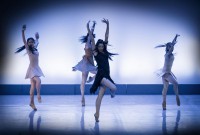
(83, 39)
(100, 41)
(168, 45)
(32, 49)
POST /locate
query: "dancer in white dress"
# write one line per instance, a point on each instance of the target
(34, 71)
(165, 72)
(86, 65)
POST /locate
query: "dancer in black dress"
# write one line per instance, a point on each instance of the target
(102, 79)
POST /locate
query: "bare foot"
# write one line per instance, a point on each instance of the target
(96, 117)
(83, 102)
(33, 107)
(39, 98)
(90, 79)
(164, 105)
(112, 93)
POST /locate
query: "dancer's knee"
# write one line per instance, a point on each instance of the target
(175, 84)
(102, 90)
(32, 88)
(31, 92)
(164, 92)
(176, 87)
(113, 87)
(165, 87)
(39, 80)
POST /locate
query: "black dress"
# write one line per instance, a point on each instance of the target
(102, 72)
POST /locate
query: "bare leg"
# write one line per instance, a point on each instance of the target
(110, 85)
(172, 80)
(38, 86)
(98, 102)
(32, 105)
(82, 87)
(164, 92)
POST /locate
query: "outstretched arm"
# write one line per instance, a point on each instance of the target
(23, 35)
(92, 38)
(174, 40)
(107, 29)
(160, 46)
(36, 39)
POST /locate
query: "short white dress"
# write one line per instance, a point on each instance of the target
(33, 69)
(87, 63)
(167, 67)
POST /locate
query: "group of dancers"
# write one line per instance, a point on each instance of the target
(101, 78)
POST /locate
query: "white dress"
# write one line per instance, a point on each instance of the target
(167, 66)
(87, 63)
(33, 69)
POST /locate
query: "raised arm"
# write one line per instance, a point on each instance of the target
(172, 45)
(107, 29)
(174, 40)
(92, 30)
(23, 35)
(93, 26)
(91, 37)
(36, 39)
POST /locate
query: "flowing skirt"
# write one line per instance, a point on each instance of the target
(85, 65)
(33, 71)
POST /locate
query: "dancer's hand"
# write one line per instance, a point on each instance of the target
(105, 21)
(94, 22)
(177, 35)
(88, 24)
(24, 27)
(37, 35)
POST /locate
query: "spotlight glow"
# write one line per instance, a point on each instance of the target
(133, 34)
